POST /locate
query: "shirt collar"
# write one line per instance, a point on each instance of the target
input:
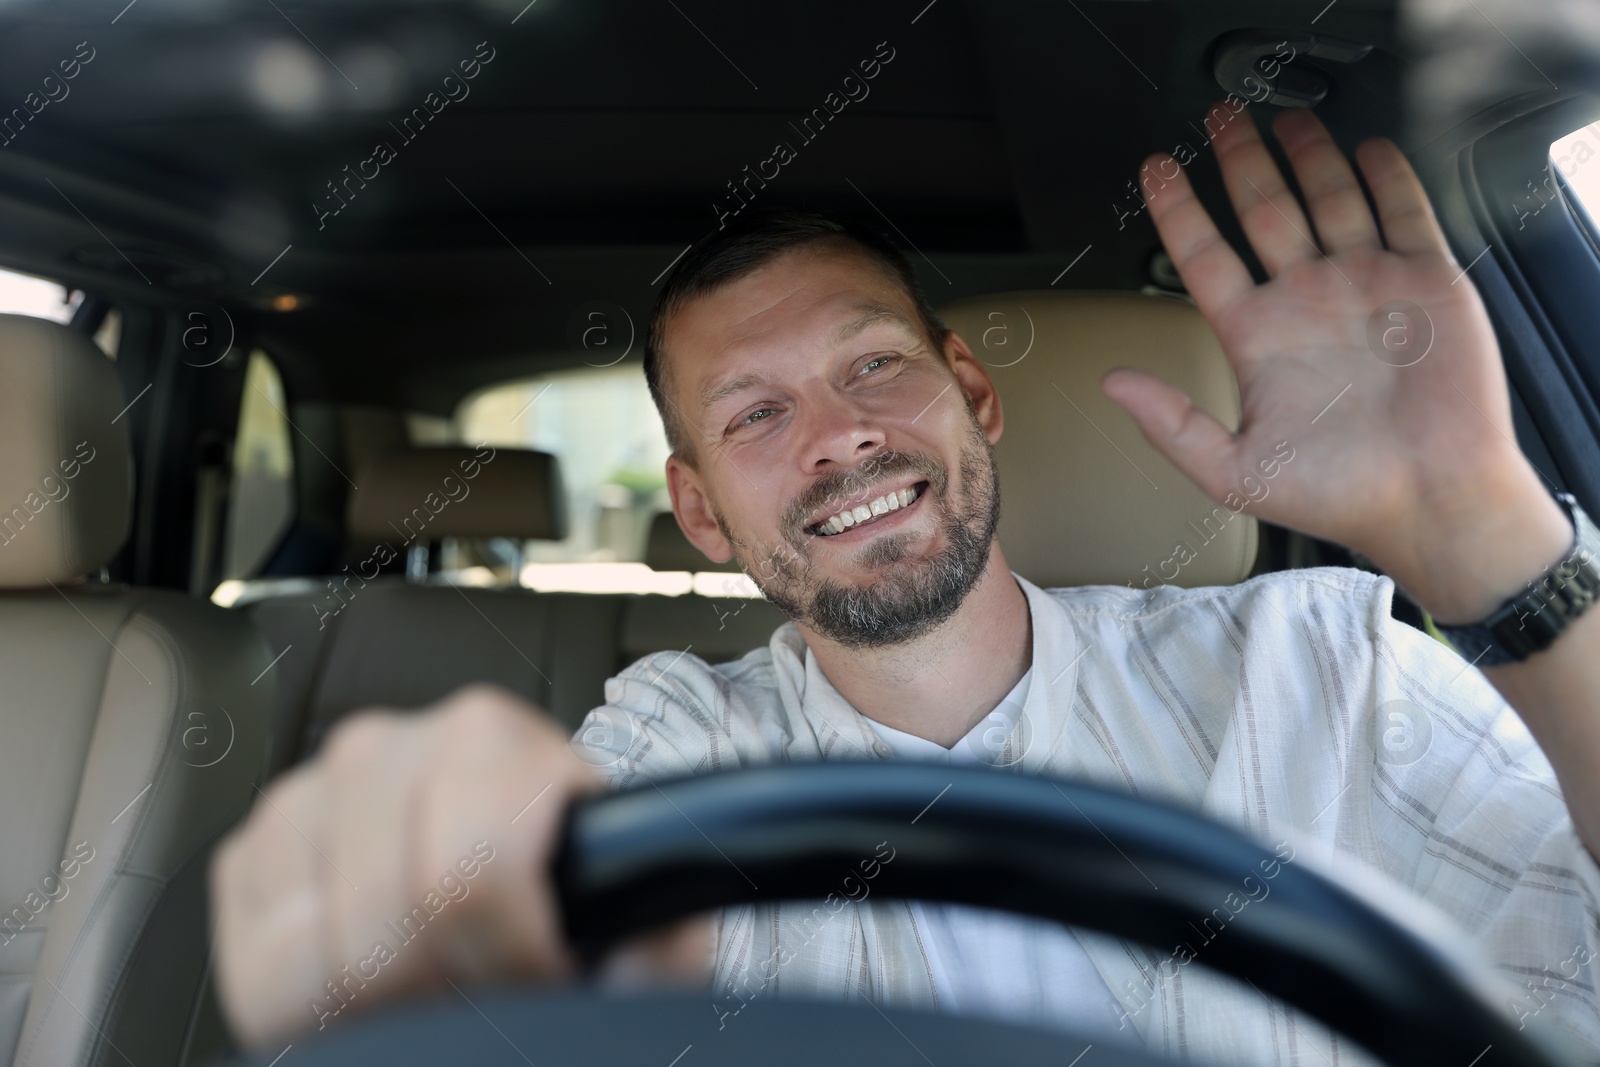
(1057, 653)
(985, 743)
(844, 733)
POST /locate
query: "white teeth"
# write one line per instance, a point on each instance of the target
(891, 501)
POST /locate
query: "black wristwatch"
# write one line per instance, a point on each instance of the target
(1531, 621)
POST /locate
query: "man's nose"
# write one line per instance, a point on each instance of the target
(839, 433)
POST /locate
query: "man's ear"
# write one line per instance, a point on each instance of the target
(977, 384)
(692, 508)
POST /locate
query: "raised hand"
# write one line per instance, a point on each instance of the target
(1367, 350)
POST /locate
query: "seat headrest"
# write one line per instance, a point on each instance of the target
(1085, 500)
(667, 549)
(66, 473)
(427, 493)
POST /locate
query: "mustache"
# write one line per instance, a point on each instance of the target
(834, 488)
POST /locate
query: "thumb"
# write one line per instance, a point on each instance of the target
(1191, 440)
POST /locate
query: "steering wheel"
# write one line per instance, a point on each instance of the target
(1342, 951)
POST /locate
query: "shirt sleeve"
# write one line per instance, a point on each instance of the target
(1471, 818)
(672, 714)
(669, 715)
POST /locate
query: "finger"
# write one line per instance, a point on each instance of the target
(1211, 270)
(1194, 442)
(369, 762)
(266, 896)
(1273, 222)
(1407, 218)
(501, 797)
(1338, 209)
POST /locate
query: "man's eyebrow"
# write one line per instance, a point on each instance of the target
(719, 392)
(872, 315)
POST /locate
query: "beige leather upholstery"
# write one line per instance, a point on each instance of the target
(717, 628)
(133, 730)
(363, 641)
(1084, 498)
(428, 493)
(66, 478)
(402, 645)
(667, 549)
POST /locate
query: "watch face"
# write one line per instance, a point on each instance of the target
(1576, 580)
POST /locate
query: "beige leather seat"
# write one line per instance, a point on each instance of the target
(365, 640)
(362, 641)
(1085, 499)
(716, 628)
(133, 731)
(667, 549)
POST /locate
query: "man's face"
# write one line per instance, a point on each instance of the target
(841, 457)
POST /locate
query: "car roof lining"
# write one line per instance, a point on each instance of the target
(997, 143)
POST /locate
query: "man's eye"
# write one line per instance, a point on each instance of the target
(758, 415)
(874, 363)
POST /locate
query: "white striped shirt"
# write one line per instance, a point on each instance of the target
(986, 962)
(1291, 705)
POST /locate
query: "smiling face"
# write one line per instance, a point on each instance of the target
(840, 455)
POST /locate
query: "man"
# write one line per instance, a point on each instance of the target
(831, 436)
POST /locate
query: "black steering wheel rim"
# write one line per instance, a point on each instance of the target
(1345, 952)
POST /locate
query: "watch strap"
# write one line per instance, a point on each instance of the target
(1532, 620)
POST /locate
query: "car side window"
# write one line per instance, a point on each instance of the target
(26, 294)
(1576, 157)
(109, 335)
(42, 298)
(262, 504)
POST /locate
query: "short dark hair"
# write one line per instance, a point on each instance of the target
(726, 254)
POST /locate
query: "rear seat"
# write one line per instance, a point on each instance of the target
(715, 628)
(384, 640)
(399, 644)
(389, 641)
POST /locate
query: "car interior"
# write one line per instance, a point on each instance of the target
(320, 379)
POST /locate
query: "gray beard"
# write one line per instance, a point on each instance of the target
(913, 596)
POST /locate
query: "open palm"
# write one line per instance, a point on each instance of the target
(1367, 350)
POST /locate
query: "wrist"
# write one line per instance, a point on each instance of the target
(1465, 563)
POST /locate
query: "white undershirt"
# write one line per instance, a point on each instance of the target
(993, 963)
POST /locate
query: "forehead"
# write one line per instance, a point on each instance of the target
(786, 308)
